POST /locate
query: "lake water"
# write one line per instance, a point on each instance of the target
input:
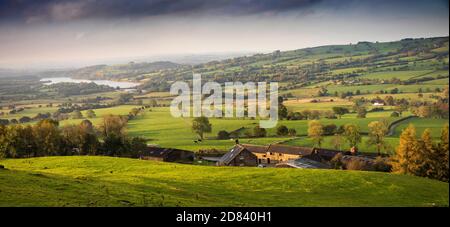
(114, 84)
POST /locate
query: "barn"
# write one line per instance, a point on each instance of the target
(275, 154)
(167, 155)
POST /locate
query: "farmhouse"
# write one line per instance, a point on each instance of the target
(378, 104)
(167, 155)
(276, 154)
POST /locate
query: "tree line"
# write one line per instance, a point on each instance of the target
(422, 156)
(48, 138)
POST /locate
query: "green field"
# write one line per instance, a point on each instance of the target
(162, 129)
(391, 143)
(387, 87)
(401, 75)
(108, 181)
(435, 125)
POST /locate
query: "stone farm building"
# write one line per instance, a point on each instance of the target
(167, 155)
(277, 155)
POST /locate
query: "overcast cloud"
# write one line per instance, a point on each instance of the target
(52, 33)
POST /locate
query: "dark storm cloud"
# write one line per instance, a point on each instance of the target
(68, 10)
(61, 10)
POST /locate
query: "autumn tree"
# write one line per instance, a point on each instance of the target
(315, 131)
(48, 137)
(201, 125)
(352, 134)
(400, 108)
(377, 133)
(442, 153)
(113, 124)
(404, 160)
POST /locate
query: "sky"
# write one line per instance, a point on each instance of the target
(63, 33)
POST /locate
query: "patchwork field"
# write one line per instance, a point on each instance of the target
(108, 181)
(391, 144)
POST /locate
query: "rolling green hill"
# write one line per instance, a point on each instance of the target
(107, 181)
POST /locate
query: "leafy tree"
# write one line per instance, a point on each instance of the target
(337, 142)
(340, 111)
(134, 112)
(323, 91)
(223, 135)
(88, 138)
(124, 98)
(24, 119)
(137, 145)
(424, 111)
(153, 103)
(201, 125)
(4, 121)
(259, 132)
(361, 112)
(292, 132)
(90, 114)
(315, 131)
(282, 130)
(113, 124)
(48, 137)
(389, 100)
(395, 114)
(3, 141)
(329, 129)
(77, 114)
(352, 134)
(114, 145)
(282, 112)
(428, 156)
(377, 132)
(400, 108)
(404, 160)
(442, 154)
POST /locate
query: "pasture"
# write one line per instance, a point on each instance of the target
(75, 181)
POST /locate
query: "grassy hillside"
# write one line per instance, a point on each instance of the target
(107, 181)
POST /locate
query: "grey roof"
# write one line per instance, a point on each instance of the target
(305, 163)
(160, 152)
(229, 156)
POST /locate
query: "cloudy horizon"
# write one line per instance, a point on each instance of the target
(66, 33)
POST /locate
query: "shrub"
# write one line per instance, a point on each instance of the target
(377, 109)
(282, 130)
(295, 116)
(223, 135)
(382, 164)
(357, 164)
(292, 132)
(336, 162)
(361, 112)
(329, 129)
(259, 132)
(395, 114)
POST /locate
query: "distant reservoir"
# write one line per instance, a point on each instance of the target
(114, 84)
